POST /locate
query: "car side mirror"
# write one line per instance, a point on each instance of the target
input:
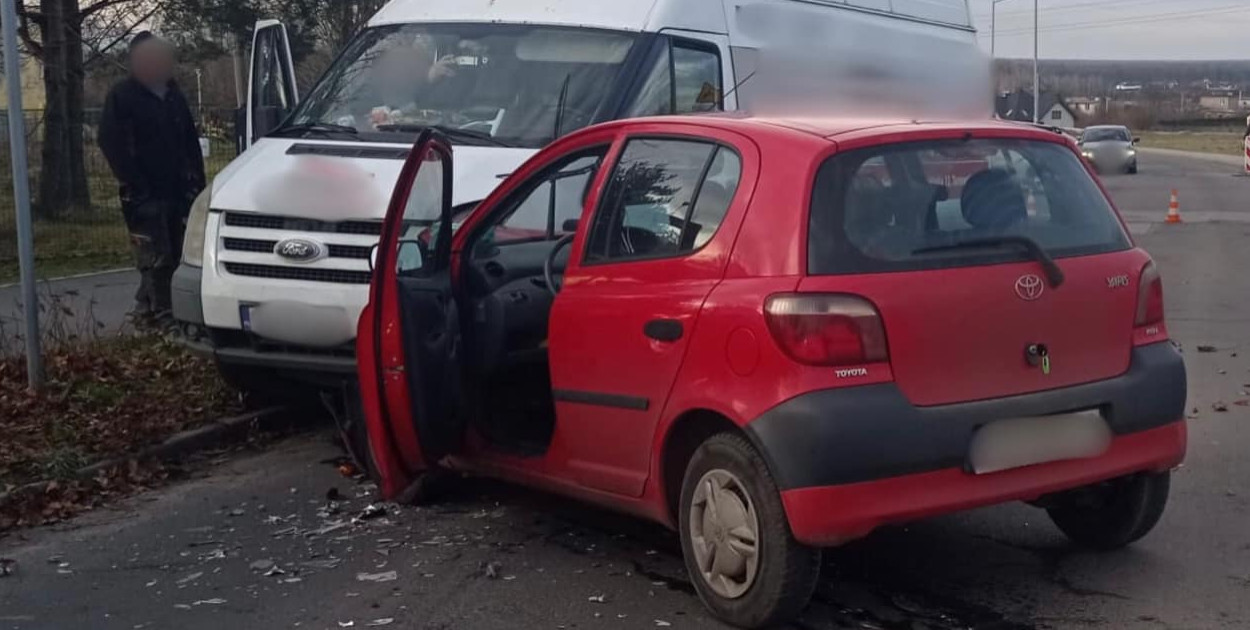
(1136, 140)
(569, 226)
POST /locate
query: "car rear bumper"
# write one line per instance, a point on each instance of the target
(832, 515)
(832, 444)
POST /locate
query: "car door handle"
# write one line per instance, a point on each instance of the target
(666, 330)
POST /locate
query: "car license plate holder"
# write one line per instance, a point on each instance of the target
(1021, 442)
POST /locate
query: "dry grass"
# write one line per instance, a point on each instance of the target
(1226, 143)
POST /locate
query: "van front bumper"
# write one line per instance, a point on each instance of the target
(236, 348)
(849, 460)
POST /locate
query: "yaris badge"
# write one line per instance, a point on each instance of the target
(1030, 288)
(300, 250)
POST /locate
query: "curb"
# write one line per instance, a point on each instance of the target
(1230, 160)
(81, 276)
(179, 445)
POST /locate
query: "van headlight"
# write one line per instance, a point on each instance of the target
(197, 226)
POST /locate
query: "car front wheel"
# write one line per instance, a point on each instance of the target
(1113, 514)
(745, 563)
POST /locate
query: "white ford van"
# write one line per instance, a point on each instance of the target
(277, 257)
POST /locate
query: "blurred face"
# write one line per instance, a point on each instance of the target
(152, 62)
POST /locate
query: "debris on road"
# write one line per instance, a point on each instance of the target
(371, 512)
(1220, 407)
(261, 565)
(327, 564)
(492, 570)
(385, 621)
(1242, 403)
(1207, 349)
(190, 578)
(6, 566)
(216, 601)
(386, 576)
(599, 599)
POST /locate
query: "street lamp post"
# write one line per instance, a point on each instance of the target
(1037, 75)
(21, 194)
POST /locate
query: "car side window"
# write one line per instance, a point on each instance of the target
(552, 198)
(665, 198)
(685, 78)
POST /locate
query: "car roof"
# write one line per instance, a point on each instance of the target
(854, 130)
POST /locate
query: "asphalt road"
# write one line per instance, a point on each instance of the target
(196, 555)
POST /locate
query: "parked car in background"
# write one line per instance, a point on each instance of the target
(1110, 148)
(276, 269)
(777, 335)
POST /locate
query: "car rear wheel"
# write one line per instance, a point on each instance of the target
(1114, 514)
(745, 563)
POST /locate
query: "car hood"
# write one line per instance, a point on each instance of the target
(337, 181)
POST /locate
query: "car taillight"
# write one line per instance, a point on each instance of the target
(827, 330)
(1150, 297)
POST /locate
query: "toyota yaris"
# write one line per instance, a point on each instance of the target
(775, 336)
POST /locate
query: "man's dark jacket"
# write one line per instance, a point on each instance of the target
(151, 143)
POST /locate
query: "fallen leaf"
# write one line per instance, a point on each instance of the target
(1220, 407)
(1207, 349)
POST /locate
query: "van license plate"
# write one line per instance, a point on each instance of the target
(1021, 442)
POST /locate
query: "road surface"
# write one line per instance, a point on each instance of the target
(197, 555)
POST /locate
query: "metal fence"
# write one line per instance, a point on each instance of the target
(95, 238)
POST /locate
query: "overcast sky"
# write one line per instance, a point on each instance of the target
(1121, 29)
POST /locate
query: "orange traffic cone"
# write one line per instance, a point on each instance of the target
(1174, 208)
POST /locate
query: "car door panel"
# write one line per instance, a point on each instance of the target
(619, 332)
(408, 343)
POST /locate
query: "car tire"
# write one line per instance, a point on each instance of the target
(727, 475)
(1114, 514)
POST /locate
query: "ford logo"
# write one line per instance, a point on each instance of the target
(300, 250)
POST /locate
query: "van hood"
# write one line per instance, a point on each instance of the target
(344, 181)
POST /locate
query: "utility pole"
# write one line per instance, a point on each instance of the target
(1037, 75)
(21, 193)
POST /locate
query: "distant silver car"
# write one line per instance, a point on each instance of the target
(1110, 148)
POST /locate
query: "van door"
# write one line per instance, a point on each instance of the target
(408, 346)
(684, 73)
(272, 91)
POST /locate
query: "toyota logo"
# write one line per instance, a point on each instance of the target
(300, 250)
(1030, 288)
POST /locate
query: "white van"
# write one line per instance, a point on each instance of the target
(277, 257)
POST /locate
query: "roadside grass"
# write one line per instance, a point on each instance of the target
(1226, 143)
(105, 399)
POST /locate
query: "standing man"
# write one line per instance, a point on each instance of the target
(148, 135)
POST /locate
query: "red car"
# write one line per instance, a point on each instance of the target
(776, 336)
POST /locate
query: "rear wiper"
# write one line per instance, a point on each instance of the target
(455, 133)
(316, 127)
(1054, 275)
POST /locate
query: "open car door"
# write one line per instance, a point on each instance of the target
(408, 344)
(271, 90)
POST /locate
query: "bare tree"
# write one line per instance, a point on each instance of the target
(66, 37)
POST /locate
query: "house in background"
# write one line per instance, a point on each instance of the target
(1018, 106)
(1222, 101)
(1085, 106)
(33, 96)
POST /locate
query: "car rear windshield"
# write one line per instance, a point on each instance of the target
(913, 206)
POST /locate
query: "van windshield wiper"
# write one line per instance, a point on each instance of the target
(1054, 275)
(454, 133)
(316, 127)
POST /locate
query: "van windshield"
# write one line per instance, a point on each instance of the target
(501, 84)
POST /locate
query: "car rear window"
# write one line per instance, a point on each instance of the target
(902, 207)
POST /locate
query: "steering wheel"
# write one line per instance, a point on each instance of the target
(549, 266)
